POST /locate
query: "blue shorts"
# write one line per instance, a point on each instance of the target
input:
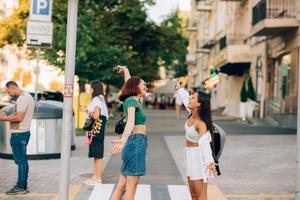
(134, 155)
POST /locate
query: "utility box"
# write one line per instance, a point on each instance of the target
(46, 130)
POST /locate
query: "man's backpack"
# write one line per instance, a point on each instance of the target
(218, 144)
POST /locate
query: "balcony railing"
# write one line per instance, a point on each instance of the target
(268, 9)
(232, 39)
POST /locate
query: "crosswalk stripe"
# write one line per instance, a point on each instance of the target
(179, 192)
(176, 192)
(102, 190)
(143, 192)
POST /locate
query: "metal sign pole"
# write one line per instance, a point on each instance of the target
(37, 71)
(67, 125)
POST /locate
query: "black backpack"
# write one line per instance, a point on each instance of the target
(217, 144)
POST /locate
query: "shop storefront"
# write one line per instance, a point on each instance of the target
(282, 80)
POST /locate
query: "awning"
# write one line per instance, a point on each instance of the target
(233, 60)
(235, 68)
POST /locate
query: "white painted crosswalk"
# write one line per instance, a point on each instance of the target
(179, 192)
(104, 191)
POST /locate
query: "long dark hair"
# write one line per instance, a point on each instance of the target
(97, 87)
(130, 88)
(204, 112)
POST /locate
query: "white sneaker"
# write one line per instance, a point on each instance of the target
(92, 182)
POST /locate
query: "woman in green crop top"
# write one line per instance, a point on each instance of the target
(133, 143)
(140, 117)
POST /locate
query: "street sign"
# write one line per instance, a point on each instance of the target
(40, 10)
(39, 27)
(39, 34)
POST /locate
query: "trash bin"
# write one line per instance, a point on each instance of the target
(46, 129)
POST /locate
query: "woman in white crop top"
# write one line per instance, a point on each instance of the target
(97, 109)
(199, 160)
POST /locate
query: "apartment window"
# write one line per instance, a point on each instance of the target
(223, 42)
(259, 12)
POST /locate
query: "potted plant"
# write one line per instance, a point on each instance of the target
(243, 100)
(251, 99)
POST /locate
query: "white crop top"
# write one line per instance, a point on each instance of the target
(191, 134)
(98, 101)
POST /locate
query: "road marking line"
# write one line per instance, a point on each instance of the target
(102, 190)
(143, 192)
(28, 195)
(179, 192)
(261, 196)
(73, 191)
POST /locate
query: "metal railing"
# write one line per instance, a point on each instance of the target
(267, 9)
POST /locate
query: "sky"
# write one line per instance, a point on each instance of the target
(165, 7)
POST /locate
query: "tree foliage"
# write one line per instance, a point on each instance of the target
(109, 32)
(12, 29)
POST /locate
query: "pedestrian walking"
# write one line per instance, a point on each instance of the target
(98, 111)
(178, 104)
(199, 132)
(20, 122)
(133, 143)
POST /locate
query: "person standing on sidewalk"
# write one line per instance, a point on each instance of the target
(133, 143)
(199, 132)
(98, 111)
(20, 133)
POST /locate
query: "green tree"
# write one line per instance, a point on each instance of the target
(109, 32)
(173, 51)
(12, 29)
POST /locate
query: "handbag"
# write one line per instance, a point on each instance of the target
(120, 126)
(88, 124)
(88, 137)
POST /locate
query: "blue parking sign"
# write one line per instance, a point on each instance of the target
(41, 10)
(41, 7)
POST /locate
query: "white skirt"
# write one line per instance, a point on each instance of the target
(194, 166)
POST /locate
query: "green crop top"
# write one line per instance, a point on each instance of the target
(140, 117)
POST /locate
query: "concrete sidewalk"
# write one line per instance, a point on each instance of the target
(252, 168)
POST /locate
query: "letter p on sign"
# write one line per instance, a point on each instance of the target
(41, 10)
(41, 7)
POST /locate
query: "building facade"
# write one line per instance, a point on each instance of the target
(247, 39)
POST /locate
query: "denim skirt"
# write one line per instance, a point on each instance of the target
(134, 155)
